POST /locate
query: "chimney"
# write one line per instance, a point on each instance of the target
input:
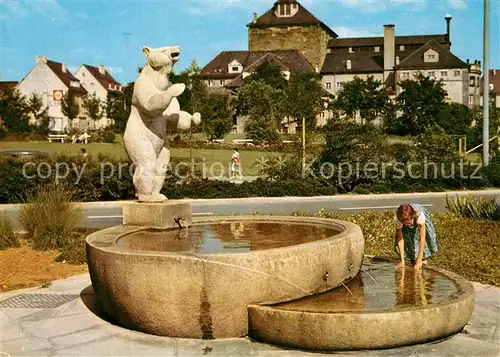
(448, 21)
(254, 17)
(41, 59)
(102, 70)
(389, 50)
(63, 65)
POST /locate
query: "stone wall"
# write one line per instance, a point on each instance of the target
(312, 41)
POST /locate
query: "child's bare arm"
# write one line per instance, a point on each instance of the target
(421, 246)
(401, 245)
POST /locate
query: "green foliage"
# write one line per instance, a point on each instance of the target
(367, 97)
(435, 145)
(69, 105)
(74, 249)
(49, 216)
(270, 74)
(14, 111)
(39, 113)
(264, 106)
(420, 102)
(116, 110)
(216, 108)
(304, 98)
(92, 104)
(455, 119)
(7, 237)
(109, 136)
(474, 208)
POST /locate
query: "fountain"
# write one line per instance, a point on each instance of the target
(292, 281)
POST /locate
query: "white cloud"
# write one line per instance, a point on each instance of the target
(351, 32)
(457, 4)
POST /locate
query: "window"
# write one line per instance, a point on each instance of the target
(328, 85)
(432, 74)
(406, 75)
(210, 83)
(456, 73)
(377, 48)
(444, 73)
(235, 69)
(471, 98)
(339, 84)
(431, 57)
(402, 48)
(287, 9)
(473, 81)
(92, 84)
(221, 82)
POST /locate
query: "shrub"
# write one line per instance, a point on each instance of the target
(7, 237)
(109, 136)
(49, 217)
(474, 208)
(74, 250)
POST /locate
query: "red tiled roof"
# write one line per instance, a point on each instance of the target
(66, 77)
(290, 59)
(494, 79)
(379, 41)
(302, 17)
(104, 79)
(8, 84)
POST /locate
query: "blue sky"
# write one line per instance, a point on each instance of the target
(113, 32)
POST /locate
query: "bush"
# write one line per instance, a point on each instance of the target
(74, 250)
(7, 237)
(109, 137)
(49, 217)
(475, 208)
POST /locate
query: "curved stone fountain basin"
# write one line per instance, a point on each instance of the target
(195, 295)
(370, 312)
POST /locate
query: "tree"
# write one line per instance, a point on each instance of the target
(454, 118)
(115, 109)
(14, 111)
(269, 74)
(69, 106)
(39, 113)
(216, 108)
(265, 107)
(92, 104)
(304, 98)
(419, 103)
(190, 77)
(366, 97)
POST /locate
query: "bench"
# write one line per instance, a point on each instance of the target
(61, 137)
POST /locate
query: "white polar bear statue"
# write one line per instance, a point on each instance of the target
(155, 111)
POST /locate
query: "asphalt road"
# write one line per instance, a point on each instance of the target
(106, 214)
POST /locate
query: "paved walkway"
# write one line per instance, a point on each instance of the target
(56, 321)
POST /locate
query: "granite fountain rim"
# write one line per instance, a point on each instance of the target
(106, 239)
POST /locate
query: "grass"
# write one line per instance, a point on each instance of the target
(117, 150)
(7, 237)
(49, 217)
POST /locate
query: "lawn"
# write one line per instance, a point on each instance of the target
(215, 159)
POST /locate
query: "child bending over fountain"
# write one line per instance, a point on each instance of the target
(415, 235)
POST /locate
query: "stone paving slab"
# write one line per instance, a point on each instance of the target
(72, 329)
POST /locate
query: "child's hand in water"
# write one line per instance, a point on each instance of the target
(418, 264)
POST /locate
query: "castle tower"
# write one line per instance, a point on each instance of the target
(289, 26)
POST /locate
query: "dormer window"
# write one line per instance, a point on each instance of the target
(431, 56)
(235, 67)
(286, 10)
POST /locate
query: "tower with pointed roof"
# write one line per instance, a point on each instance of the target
(290, 26)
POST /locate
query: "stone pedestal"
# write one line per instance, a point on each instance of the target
(157, 215)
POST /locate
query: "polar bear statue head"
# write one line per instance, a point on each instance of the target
(161, 60)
